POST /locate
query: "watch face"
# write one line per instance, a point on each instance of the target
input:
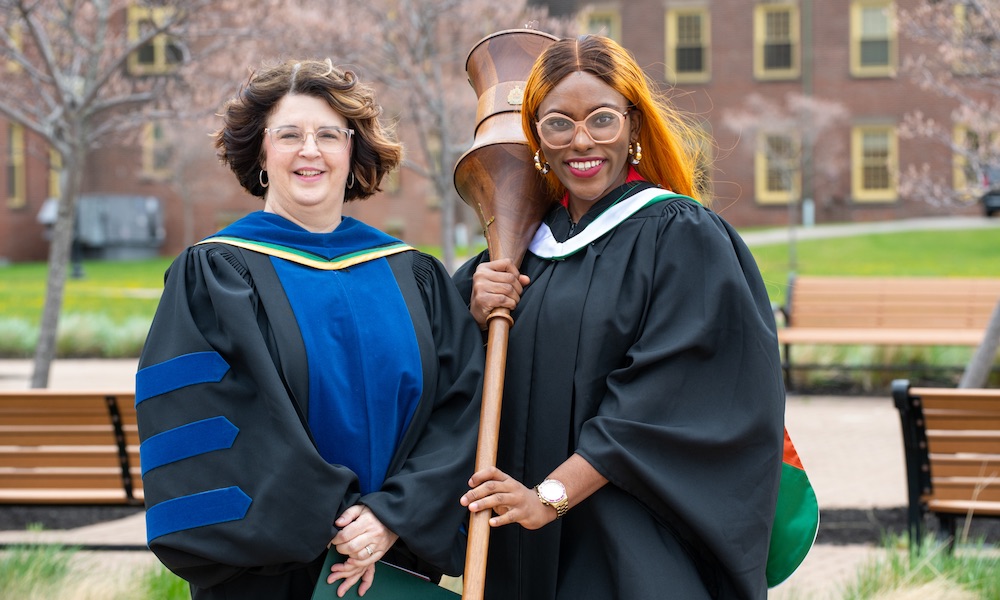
(552, 490)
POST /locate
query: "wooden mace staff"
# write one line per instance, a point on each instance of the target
(497, 179)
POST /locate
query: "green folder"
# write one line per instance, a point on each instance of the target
(391, 583)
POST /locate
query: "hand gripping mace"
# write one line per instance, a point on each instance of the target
(497, 179)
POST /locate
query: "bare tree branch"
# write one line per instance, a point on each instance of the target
(960, 62)
(73, 87)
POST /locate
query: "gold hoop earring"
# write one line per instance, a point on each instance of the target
(635, 153)
(542, 168)
(350, 180)
(263, 179)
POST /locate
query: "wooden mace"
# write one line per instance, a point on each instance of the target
(496, 177)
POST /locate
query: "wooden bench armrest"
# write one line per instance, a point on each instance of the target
(965, 507)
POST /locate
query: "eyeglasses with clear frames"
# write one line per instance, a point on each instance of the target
(604, 126)
(292, 139)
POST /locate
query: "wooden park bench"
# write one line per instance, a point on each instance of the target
(69, 447)
(951, 442)
(885, 311)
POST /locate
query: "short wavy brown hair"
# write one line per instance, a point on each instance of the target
(374, 149)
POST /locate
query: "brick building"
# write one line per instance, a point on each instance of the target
(171, 162)
(714, 54)
(197, 193)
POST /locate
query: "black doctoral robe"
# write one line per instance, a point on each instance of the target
(268, 539)
(652, 353)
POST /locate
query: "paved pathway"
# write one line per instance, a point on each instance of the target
(816, 232)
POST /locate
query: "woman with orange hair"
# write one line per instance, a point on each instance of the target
(642, 426)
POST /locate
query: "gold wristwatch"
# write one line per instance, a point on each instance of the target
(553, 493)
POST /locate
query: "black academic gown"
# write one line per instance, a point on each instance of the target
(652, 353)
(211, 304)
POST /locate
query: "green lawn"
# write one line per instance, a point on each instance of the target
(118, 290)
(970, 253)
(116, 299)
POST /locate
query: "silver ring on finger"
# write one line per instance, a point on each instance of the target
(369, 549)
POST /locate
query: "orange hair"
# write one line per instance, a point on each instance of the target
(670, 145)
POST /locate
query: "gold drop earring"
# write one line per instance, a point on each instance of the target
(635, 153)
(541, 167)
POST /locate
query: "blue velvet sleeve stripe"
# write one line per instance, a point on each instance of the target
(192, 439)
(178, 372)
(197, 510)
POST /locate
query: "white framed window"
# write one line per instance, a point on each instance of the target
(975, 38)
(15, 34)
(776, 41)
(777, 168)
(15, 167)
(157, 151)
(601, 20)
(688, 45)
(873, 38)
(874, 163)
(161, 54)
(969, 178)
(55, 173)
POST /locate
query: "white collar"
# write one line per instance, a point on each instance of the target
(544, 244)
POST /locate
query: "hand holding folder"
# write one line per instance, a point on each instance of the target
(391, 583)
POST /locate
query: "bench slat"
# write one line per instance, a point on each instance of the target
(54, 420)
(904, 321)
(63, 456)
(966, 465)
(61, 436)
(966, 488)
(963, 422)
(66, 496)
(963, 441)
(46, 477)
(963, 508)
(954, 399)
(883, 337)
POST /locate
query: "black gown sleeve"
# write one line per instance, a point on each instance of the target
(691, 423)
(232, 480)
